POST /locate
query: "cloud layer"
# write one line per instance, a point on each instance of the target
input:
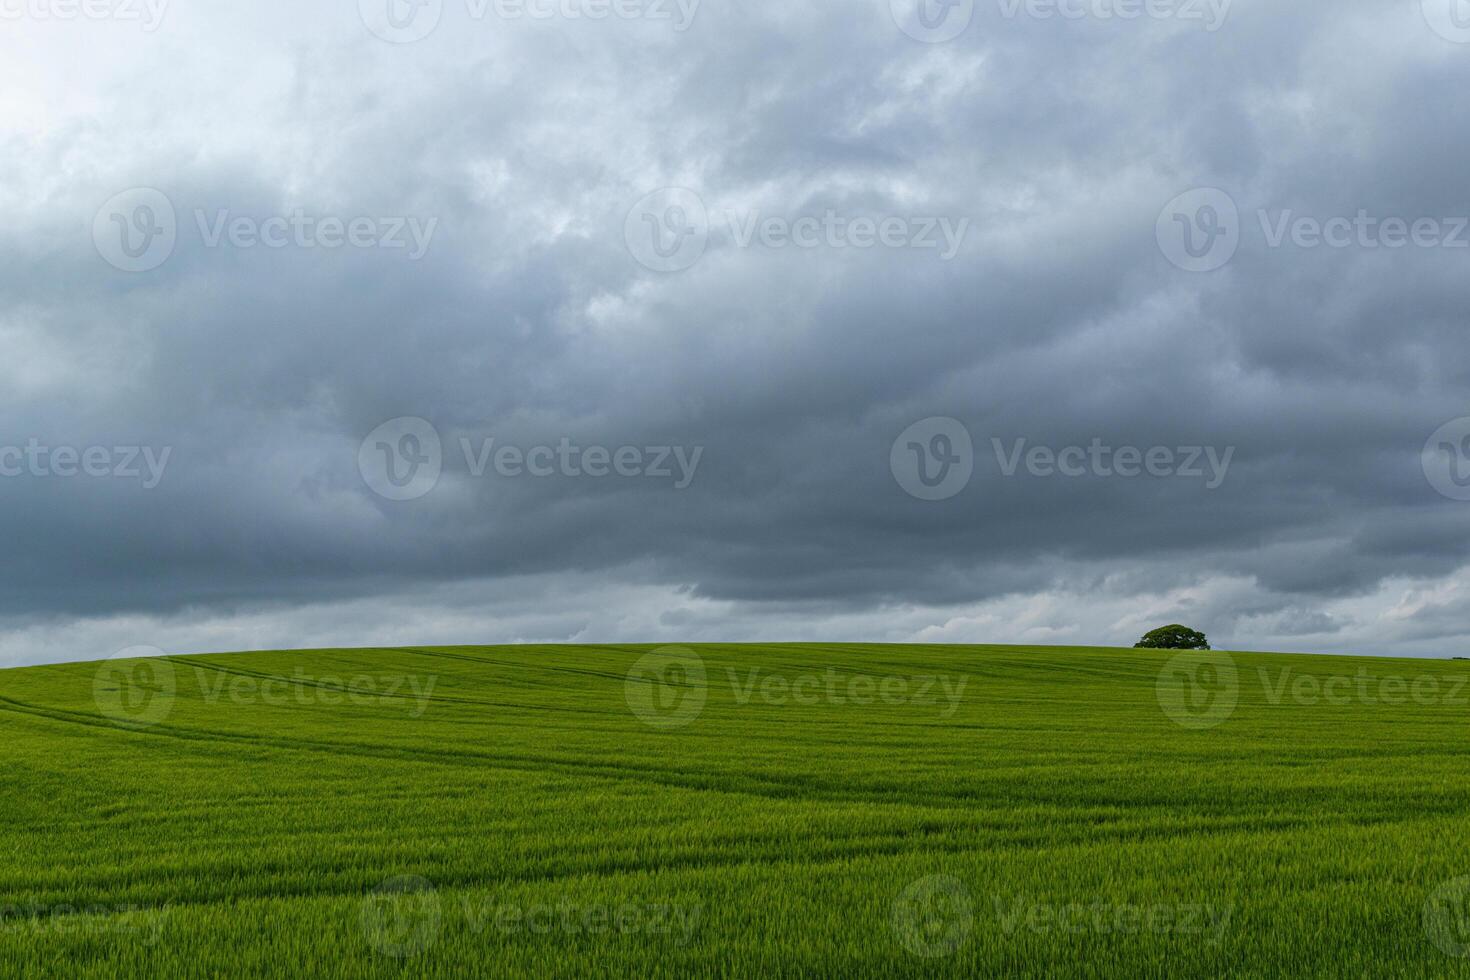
(705, 228)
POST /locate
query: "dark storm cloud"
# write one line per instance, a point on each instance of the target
(1058, 321)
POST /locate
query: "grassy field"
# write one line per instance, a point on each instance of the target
(774, 810)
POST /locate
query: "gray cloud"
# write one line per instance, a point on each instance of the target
(1058, 321)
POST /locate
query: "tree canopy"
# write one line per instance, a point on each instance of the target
(1173, 637)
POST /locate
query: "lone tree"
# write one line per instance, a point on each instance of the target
(1174, 637)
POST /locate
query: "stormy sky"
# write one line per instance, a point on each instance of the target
(381, 322)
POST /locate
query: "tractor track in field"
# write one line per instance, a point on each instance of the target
(715, 855)
(797, 788)
(768, 787)
(437, 698)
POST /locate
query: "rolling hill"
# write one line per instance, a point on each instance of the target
(716, 810)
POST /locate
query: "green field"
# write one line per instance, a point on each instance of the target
(752, 810)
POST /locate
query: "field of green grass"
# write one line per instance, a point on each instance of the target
(753, 810)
